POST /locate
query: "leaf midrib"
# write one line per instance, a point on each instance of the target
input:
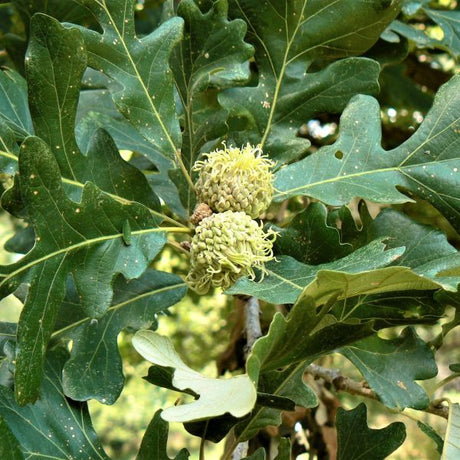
(281, 75)
(111, 195)
(82, 244)
(138, 76)
(355, 175)
(113, 308)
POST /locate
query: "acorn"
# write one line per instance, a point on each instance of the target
(225, 247)
(235, 179)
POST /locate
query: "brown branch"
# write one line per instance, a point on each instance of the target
(342, 383)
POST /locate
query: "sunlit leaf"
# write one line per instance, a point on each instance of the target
(452, 439)
(216, 396)
(286, 278)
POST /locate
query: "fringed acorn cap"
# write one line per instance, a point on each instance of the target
(235, 179)
(225, 247)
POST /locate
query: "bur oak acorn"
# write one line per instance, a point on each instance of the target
(235, 179)
(225, 247)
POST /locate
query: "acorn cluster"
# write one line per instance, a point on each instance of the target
(236, 186)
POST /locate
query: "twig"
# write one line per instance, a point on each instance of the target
(178, 246)
(203, 441)
(240, 451)
(438, 409)
(253, 332)
(252, 322)
(342, 383)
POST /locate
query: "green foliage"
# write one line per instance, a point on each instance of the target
(105, 109)
(391, 367)
(426, 164)
(154, 442)
(53, 426)
(357, 441)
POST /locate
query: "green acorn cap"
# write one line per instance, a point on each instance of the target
(225, 247)
(235, 179)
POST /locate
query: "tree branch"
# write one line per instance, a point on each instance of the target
(252, 322)
(342, 383)
(240, 451)
(253, 332)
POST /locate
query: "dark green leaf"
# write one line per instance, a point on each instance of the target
(287, 36)
(428, 251)
(163, 377)
(155, 439)
(455, 367)
(427, 164)
(13, 103)
(16, 47)
(428, 430)
(284, 449)
(400, 92)
(319, 335)
(80, 233)
(22, 241)
(391, 367)
(286, 278)
(259, 454)
(7, 333)
(9, 446)
(166, 189)
(8, 149)
(54, 427)
(94, 369)
(7, 354)
(212, 56)
(55, 62)
(54, 87)
(69, 11)
(357, 441)
(142, 92)
(309, 239)
(125, 136)
(287, 384)
(214, 429)
(274, 401)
